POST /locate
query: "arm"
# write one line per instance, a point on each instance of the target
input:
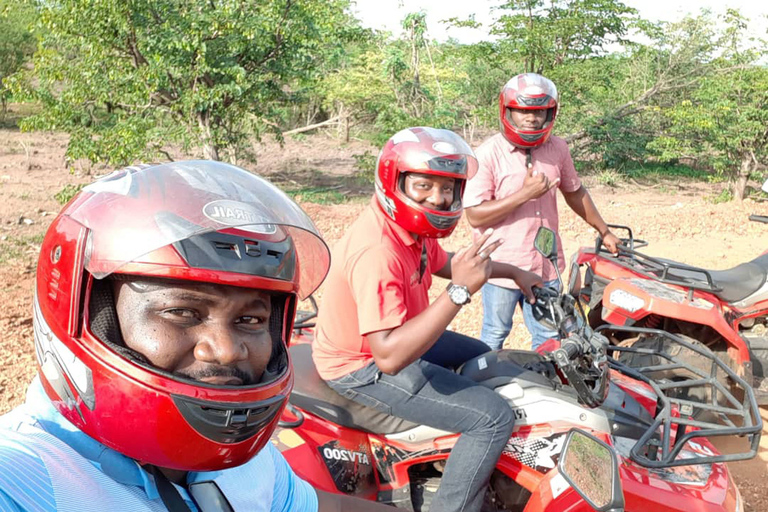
(328, 502)
(394, 349)
(525, 280)
(581, 202)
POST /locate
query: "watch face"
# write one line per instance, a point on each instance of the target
(459, 295)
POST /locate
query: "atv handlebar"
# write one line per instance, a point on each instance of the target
(582, 354)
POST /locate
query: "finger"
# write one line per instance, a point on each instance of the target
(477, 244)
(530, 171)
(486, 252)
(554, 184)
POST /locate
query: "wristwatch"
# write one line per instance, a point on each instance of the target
(459, 294)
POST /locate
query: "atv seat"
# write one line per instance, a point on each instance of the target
(312, 394)
(735, 284)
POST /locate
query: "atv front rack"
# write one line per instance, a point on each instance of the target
(674, 427)
(668, 272)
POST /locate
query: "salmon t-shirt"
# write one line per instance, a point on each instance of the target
(375, 283)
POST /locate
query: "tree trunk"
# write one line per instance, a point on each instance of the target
(210, 149)
(740, 185)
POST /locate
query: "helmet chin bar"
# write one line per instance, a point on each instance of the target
(228, 423)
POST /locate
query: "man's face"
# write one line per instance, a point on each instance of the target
(211, 333)
(526, 119)
(434, 192)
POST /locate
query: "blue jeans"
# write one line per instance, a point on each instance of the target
(499, 305)
(428, 393)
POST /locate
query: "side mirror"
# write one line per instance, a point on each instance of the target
(591, 467)
(574, 280)
(546, 243)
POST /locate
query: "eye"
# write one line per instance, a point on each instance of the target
(252, 321)
(180, 313)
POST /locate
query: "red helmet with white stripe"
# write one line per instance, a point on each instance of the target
(528, 91)
(427, 151)
(196, 221)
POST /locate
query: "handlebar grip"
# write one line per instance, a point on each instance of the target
(572, 348)
(759, 218)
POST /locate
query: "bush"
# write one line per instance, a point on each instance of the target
(66, 194)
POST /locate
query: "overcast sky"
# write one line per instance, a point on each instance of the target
(387, 14)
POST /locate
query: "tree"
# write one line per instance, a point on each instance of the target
(544, 35)
(17, 43)
(723, 121)
(127, 77)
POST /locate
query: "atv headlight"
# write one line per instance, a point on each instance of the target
(626, 301)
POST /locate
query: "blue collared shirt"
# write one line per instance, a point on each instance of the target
(47, 464)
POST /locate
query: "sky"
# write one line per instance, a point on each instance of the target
(387, 14)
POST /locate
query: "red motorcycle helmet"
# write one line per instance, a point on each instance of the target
(425, 151)
(197, 221)
(528, 91)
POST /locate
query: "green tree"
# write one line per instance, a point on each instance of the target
(722, 122)
(127, 77)
(17, 43)
(544, 35)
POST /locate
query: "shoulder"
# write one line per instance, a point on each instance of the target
(558, 144)
(24, 477)
(491, 145)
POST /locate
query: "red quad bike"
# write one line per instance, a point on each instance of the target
(591, 432)
(724, 310)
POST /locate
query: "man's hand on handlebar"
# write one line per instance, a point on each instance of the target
(611, 242)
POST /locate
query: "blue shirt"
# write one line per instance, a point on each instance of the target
(47, 464)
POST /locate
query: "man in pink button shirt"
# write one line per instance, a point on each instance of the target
(514, 192)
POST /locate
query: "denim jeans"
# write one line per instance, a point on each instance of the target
(499, 305)
(428, 392)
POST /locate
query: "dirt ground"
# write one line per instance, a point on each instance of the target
(674, 216)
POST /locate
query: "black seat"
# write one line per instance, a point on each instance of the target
(735, 284)
(313, 395)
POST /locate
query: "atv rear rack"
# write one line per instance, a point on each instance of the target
(661, 445)
(668, 272)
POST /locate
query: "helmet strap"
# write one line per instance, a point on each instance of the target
(206, 495)
(423, 262)
(528, 159)
(168, 493)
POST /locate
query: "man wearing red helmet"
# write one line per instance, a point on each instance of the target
(162, 315)
(514, 193)
(381, 343)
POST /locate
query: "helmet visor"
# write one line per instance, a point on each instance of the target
(137, 210)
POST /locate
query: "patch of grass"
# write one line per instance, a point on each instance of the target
(724, 196)
(64, 195)
(609, 177)
(659, 171)
(14, 248)
(317, 195)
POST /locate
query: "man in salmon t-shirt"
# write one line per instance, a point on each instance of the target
(514, 192)
(381, 343)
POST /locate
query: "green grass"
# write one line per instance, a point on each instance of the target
(318, 195)
(658, 171)
(724, 196)
(64, 195)
(14, 248)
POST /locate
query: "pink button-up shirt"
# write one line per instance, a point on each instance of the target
(501, 173)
